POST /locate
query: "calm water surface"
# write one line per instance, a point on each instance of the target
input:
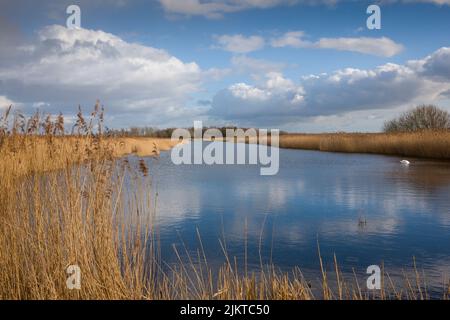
(316, 197)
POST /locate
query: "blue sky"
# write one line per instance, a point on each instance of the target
(263, 63)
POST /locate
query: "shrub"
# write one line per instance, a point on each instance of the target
(425, 117)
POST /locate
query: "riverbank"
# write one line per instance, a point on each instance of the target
(433, 145)
(141, 146)
(84, 218)
(23, 154)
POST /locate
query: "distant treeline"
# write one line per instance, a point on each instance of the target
(142, 132)
(152, 132)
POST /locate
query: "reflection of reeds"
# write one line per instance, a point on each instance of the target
(426, 144)
(54, 214)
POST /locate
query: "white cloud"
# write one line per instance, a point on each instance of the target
(383, 46)
(5, 102)
(438, 2)
(436, 65)
(195, 7)
(291, 39)
(216, 9)
(65, 67)
(240, 44)
(280, 101)
(276, 98)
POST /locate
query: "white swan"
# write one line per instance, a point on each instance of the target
(405, 162)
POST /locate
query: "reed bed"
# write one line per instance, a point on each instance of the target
(424, 144)
(63, 202)
(40, 144)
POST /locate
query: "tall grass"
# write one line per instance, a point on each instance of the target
(63, 202)
(424, 144)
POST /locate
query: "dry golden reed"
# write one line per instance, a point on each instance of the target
(63, 201)
(425, 144)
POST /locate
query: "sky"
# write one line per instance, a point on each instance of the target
(295, 65)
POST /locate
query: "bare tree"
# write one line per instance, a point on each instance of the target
(425, 117)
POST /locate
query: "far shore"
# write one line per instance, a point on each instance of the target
(33, 153)
(431, 144)
(425, 144)
(73, 149)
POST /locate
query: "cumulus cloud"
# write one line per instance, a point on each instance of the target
(383, 46)
(65, 67)
(436, 65)
(240, 44)
(275, 99)
(280, 100)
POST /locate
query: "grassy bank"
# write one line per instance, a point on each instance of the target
(427, 144)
